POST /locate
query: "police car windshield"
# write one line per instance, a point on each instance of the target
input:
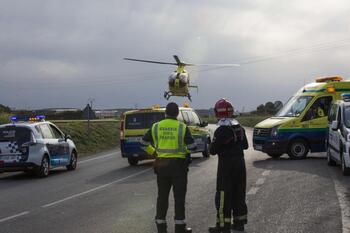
(347, 116)
(15, 134)
(143, 120)
(295, 106)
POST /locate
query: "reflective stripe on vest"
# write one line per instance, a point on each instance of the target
(168, 137)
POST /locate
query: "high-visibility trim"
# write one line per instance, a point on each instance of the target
(240, 218)
(155, 135)
(169, 151)
(221, 209)
(160, 221)
(179, 222)
(227, 220)
(180, 139)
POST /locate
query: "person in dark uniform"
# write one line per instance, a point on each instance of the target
(229, 142)
(170, 142)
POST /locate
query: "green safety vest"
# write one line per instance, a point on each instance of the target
(168, 137)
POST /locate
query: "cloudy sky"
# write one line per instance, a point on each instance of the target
(60, 53)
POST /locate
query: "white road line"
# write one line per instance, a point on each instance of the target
(94, 189)
(344, 205)
(266, 173)
(253, 191)
(260, 181)
(98, 157)
(14, 216)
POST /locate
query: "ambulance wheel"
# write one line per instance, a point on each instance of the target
(345, 170)
(330, 161)
(73, 162)
(133, 161)
(274, 155)
(298, 149)
(206, 153)
(44, 169)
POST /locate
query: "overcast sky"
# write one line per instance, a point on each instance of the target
(60, 53)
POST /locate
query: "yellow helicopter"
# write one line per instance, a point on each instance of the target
(179, 80)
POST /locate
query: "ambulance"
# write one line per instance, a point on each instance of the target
(301, 126)
(135, 123)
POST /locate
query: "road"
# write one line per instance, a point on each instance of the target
(106, 195)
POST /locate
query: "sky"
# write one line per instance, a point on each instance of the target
(63, 53)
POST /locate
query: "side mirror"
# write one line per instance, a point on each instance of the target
(334, 125)
(66, 137)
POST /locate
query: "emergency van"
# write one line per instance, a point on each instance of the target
(135, 123)
(301, 125)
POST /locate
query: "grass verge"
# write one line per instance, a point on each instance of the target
(104, 135)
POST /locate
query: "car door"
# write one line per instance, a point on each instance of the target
(316, 120)
(334, 135)
(63, 154)
(51, 144)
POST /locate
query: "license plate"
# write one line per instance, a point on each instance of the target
(258, 147)
(198, 141)
(9, 158)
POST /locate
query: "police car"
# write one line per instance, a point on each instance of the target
(338, 143)
(32, 144)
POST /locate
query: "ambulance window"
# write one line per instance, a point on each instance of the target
(46, 131)
(196, 118)
(319, 109)
(143, 120)
(180, 117)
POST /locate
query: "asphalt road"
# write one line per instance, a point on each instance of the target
(106, 195)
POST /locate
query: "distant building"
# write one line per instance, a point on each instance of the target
(106, 113)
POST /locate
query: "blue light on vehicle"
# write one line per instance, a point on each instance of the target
(346, 96)
(27, 118)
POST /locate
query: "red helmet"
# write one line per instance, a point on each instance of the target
(223, 109)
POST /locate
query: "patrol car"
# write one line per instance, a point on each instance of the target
(301, 125)
(135, 123)
(32, 144)
(338, 142)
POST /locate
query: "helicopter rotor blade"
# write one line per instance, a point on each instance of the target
(218, 65)
(150, 61)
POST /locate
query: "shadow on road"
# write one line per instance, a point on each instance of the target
(313, 164)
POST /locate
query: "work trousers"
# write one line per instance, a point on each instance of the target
(171, 173)
(231, 191)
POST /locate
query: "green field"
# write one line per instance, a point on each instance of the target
(104, 135)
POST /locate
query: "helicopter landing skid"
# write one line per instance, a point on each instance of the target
(168, 94)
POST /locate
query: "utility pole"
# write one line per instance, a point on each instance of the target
(90, 101)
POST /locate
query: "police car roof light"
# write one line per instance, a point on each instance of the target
(27, 118)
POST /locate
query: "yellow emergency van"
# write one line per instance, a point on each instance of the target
(301, 125)
(135, 123)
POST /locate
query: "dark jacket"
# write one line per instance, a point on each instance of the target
(229, 141)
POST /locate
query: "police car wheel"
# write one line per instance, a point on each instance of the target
(44, 169)
(73, 162)
(206, 153)
(330, 161)
(344, 168)
(298, 149)
(133, 161)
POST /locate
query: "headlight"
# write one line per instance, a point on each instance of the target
(274, 131)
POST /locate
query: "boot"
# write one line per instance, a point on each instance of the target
(162, 228)
(217, 229)
(237, 226)
(181, 228)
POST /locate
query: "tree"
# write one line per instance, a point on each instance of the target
(260, 109)
(270, 108)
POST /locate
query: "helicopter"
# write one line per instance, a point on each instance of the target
(179, 80)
